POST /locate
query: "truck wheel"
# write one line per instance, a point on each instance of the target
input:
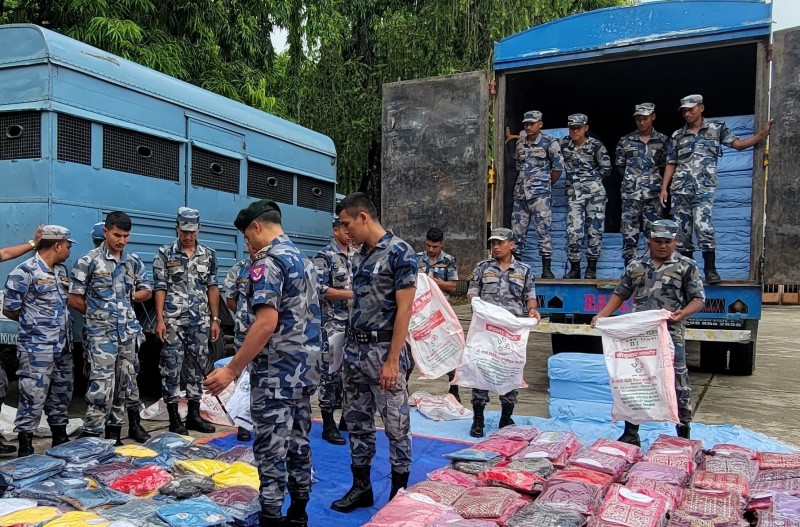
(743, 358)
(714, 356)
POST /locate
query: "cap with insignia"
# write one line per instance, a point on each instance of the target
(666, 229)
(56, 233)
(532, 117)
(646, 108)
(188, 219)
(690, 101)
(97, 231)
(253, 211)
(577, 119)
(501, 234)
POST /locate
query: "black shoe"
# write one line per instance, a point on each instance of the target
(591, 269)
(7, 450)
(574, 271)
(59, 434)
(547, 273)
(296, 516)
(710, 267)
(270, 521)
(175, 423)
(399, 481)
(476, 430)
(684, 430)
(360, 494)
(342, 423)
(329, 431)
(114, 432)
(505, 416)
(243, 434)
(25, 441)
(454, 392)
(630, 435)
(135, 429)
(195, 422)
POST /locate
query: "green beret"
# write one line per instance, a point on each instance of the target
(253, 211)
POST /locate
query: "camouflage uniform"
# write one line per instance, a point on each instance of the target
(237, 286)
(43, 343)
(390, 266)
(333, 270)
(444, 268)
(692, 186)
(532, 194)
(672, 286)
(186, 314)
(586, 166)
(284, 375)
(641, 184)
(112, 331)
(510, 289)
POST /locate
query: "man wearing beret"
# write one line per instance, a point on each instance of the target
(283, 344)
(187, 310)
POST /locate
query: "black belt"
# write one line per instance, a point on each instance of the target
(369, 337)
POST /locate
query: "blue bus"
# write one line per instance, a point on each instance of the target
(84, 132)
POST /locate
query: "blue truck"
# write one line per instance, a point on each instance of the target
(447, 162)
(83, 133)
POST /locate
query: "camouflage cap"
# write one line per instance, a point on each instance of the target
(577, 119)
(532, 116)
(188, 219)
(97, 231)
(646, 108)
(56, 233)
(666, 229)
(690, 101)
(501, 234)
(253, 211)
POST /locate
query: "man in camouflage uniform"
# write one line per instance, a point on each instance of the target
(641, 157)
(504, 281)
(333, 264)
(539, 163)
(587, 163)
(663, 279)
(237, 288)
(376, 356)
(691, 178)
(187, 309)
(283, 344)
(105, 283)
(36, 296)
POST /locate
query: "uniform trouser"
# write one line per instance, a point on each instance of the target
(330, 383)
(132, 399)
(539, 209)
(481, 397)
(587, 215)
(693, 213)
(363, 396)
(637, 216)
(683, 386)
(112, 371)
(282, 448)
(183, 338)
(45, 383)
(3, 385)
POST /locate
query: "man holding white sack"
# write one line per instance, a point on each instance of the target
(663, 279)
(506, 282)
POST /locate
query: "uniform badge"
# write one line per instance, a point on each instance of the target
(257, 272)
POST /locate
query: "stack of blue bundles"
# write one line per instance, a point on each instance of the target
(579, 386)
(27, 470)
(82, 453)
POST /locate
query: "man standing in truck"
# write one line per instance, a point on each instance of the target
(587, 163)
(691, 178)
(640, 160)
(539, 164)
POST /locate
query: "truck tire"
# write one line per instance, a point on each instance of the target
(714, 357)
(743, 358)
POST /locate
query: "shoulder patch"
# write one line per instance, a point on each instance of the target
(257, 272)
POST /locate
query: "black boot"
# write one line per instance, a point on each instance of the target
(135, 430)
(59, 434)
(630, 435)
(683, 430)
(454, 392)
(546, 272)
(342, 423)
(505, 415)
(270, 521)
(7, 450)
(25, 444)
(476, 430)
(87, 433)
(574, 270)
(195, 422)
(329, 431)
(360, 494)
(591, 269)
(710, 260)
(175, 424)
(296, 516)
(243, 434)
(399, 481)
(113, 432)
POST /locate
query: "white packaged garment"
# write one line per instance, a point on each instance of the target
(640, 358)
(439, 407)
(238, 405)
(434, 332)
(496, 351)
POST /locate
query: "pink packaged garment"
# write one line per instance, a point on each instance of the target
(659, 472)
(725, 449)
(731, 464)
(681, 458)
(630, 453)
(777, 474)
(574, 495)
(624, 508)
(550, 445)
(511, 510)
(786, 505)
(499, 445)
(456, 477)
(789, 486)
(452, 519)
(770, 519)
(665, 441)
(544, 515)
(592, 477)
(485, 502)
(681, 518)
(736, 483)
(772, 460)
(598, 461)
(653, 488)
(516, 433)
(408, 510)
(540, 467)
(144, 481)
(503, 476)
(713, 504)
(438, 491)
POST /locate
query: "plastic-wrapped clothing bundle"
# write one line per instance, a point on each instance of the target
(165, 461)
(653, 488)
(238, 453)
(195, 512)
(770, 519)
(501, 446)
(772, 460)
(516, 433)
(24, 471)
(786, 505)
(550, 445)
(731, 464)
(503, 476)
(659, 472)
(451, 519)
(75, 470)
(787, 486)
(725, 449)
(670, 442)
(198, 451)
(543, 515)
(108, 472)
(681, 518)
(712, 503)
(33, 516)
(408, 510)
(681, 458)
(167, 441)
(622, 507)
(598, 461)
(471, 454)
(134, 510)
(188, 486)
(475, 467)
(201, 467)
(240, 501)
(83, 449)
(50, 490)
(574, 495)
(592, 477)
(134, 451)
(777, 474)
(703, 479)
(78, 519)
(630, 453)
(456, 477)
(438, 491)
(540, 467)
(239, 473)
(485, 502)
(86, 499)
(10, 505)
(143, 482)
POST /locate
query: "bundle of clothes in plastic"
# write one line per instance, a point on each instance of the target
(521, 477)
(168, 481)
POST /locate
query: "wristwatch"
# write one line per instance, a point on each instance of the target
(216, 319)
(32, 244)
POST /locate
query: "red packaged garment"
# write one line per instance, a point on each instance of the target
(438, 491)
(681, 458)
(108, 472)
(144, 481)
(624, 508)
(731, 464)
(408, 510)
(725, 449)
(737, 483)
(456, 477)
(770, 519)
(659, 472)
(504, 476)
(498, 445)
(511, 510)
(599, 462)
(598, 479)
(630, 453)
(668, 442)
(777, 474)
(712, 504)
(653, 488)
(574, 495)
(516, 433)
(772, 460)
(485, 502)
